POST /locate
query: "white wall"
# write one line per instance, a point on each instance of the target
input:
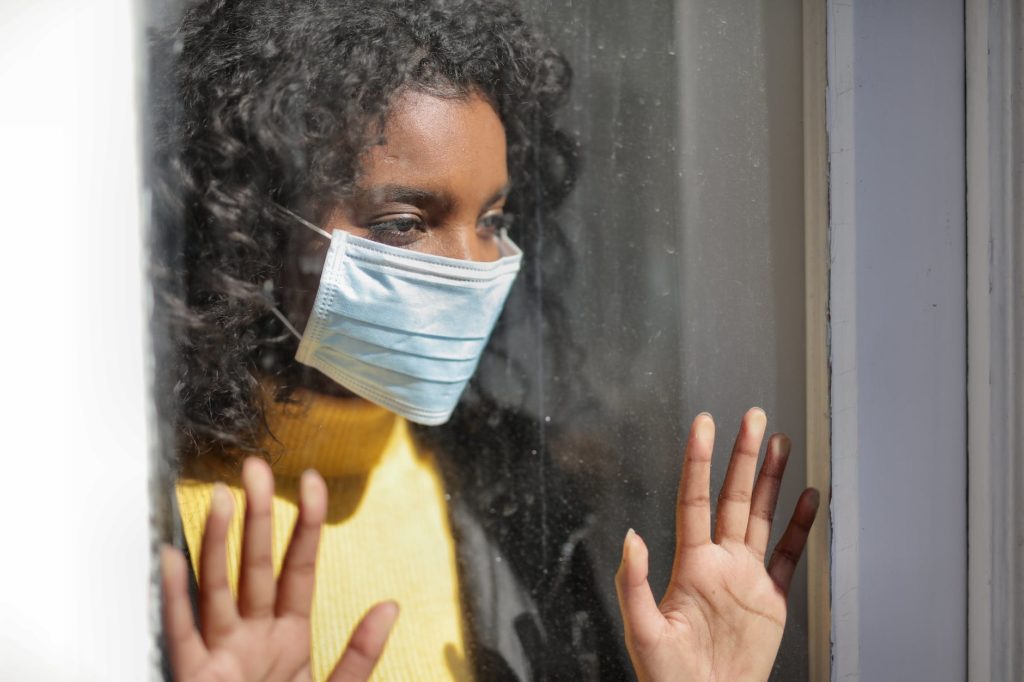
(896, 96)
(74, 570)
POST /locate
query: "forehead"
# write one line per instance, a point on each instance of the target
(432, 141)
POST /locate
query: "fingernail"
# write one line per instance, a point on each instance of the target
(391, 610)
(167, 564)
(307, 483)
(632, 536)
(783, 443)
(221, 500)
(253, 478)
(814, 497)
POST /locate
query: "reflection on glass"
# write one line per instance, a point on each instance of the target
(687, 227)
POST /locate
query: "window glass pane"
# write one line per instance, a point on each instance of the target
(688, 230)
(345, 173)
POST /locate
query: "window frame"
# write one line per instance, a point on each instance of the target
(995, 271)
(898, 335)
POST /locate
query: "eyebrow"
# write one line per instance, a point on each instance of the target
(403, 194)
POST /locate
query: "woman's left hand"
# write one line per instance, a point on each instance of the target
(723, 613)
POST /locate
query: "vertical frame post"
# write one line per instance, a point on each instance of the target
(816, 261)
(995, 327)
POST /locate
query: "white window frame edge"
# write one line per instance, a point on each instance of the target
(843, 507)
(816, 273)
(995, 211)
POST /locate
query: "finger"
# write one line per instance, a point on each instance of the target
(640, 614)
(766, 494)
(734, 500)
(256, 582)
(295, 587)
(366, 644)
(184, 645)
(791, 546)
(217, 611)
(693, 506)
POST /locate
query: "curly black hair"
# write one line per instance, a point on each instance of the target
(262, 104)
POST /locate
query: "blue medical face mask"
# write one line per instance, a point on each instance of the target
(403, 329)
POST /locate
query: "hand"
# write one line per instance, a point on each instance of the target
(723, 613)
(267, 637)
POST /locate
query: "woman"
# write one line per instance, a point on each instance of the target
(335, 180)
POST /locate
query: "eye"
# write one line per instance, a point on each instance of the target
(397, 231)
(492, 223)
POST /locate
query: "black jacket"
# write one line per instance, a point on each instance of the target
(521, 530)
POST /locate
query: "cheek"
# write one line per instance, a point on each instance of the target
(489, 250)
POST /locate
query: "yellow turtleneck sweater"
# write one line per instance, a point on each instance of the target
(386, 536)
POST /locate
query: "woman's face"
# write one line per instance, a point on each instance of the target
(437, 184)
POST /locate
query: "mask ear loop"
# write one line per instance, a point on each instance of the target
(284, 320)
(273, 307)
(319, 230)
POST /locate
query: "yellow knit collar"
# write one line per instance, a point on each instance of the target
(335, 436)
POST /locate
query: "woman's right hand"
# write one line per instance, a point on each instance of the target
(266, 636)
